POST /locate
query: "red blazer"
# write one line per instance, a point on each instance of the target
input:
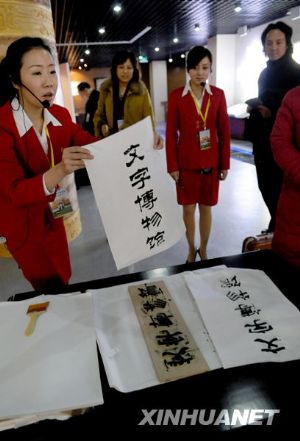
(25, 219)
(285, 141)
(182, 141)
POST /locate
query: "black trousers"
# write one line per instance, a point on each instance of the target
(269, 178)
(81, 178)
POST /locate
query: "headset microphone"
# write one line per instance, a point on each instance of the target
(44, 103)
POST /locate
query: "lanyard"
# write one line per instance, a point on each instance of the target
(50, 146)
(203, 117)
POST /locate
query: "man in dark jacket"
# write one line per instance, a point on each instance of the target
(281, 74)
(92, 96)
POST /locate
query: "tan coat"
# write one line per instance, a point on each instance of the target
(136, 107)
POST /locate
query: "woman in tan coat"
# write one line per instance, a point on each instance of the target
(124, 99)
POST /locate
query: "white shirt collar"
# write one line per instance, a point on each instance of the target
(23, 122)
(187, 88)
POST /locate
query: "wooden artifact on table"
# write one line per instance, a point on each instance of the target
(34, 311)
(172, 348)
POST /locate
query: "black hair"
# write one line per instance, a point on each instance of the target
(83, 85)
(195, 55)
(281, 26)
(11, 64)
(120, 58)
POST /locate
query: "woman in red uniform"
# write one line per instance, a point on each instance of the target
(285, 141)
(39, 146)
(197, 146)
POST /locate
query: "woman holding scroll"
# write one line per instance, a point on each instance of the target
(39, 146)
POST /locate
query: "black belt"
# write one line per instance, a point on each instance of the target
(204, 171)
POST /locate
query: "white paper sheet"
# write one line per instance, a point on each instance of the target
(15, 423)
(123, 349)
(134, 194)
(245, 337)
(54, 369)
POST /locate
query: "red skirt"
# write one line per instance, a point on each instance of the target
(45, 261)
(195, 187)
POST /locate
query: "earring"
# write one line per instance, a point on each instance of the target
(19, 104)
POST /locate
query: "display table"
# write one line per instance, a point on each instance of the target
(257, 386)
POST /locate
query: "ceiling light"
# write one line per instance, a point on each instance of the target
(170, 60)
(143, 59)
(85, 65)
(101, 30)
(156, 49)
(238, 7)
(87, 51)
(80, 68)
(242, 31)
(197, 27)
(175, 40)
(81, 60)
(182, 56)
(117, 8)
(294, 13)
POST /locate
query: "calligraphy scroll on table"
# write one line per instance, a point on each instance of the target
(172, 348)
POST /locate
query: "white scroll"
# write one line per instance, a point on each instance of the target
(134, 194)
(53, 370)
(248, 319)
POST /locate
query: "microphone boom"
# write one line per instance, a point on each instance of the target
(44, 103)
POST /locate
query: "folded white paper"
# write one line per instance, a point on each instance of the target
(247, 317)
(54, 369)
(127, 362)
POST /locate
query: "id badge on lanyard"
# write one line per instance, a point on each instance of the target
(61, 204)
(204, 139)
(120, 124)
(203, 135)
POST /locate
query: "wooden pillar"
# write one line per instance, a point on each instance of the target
(20, 18)
(33, 18)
